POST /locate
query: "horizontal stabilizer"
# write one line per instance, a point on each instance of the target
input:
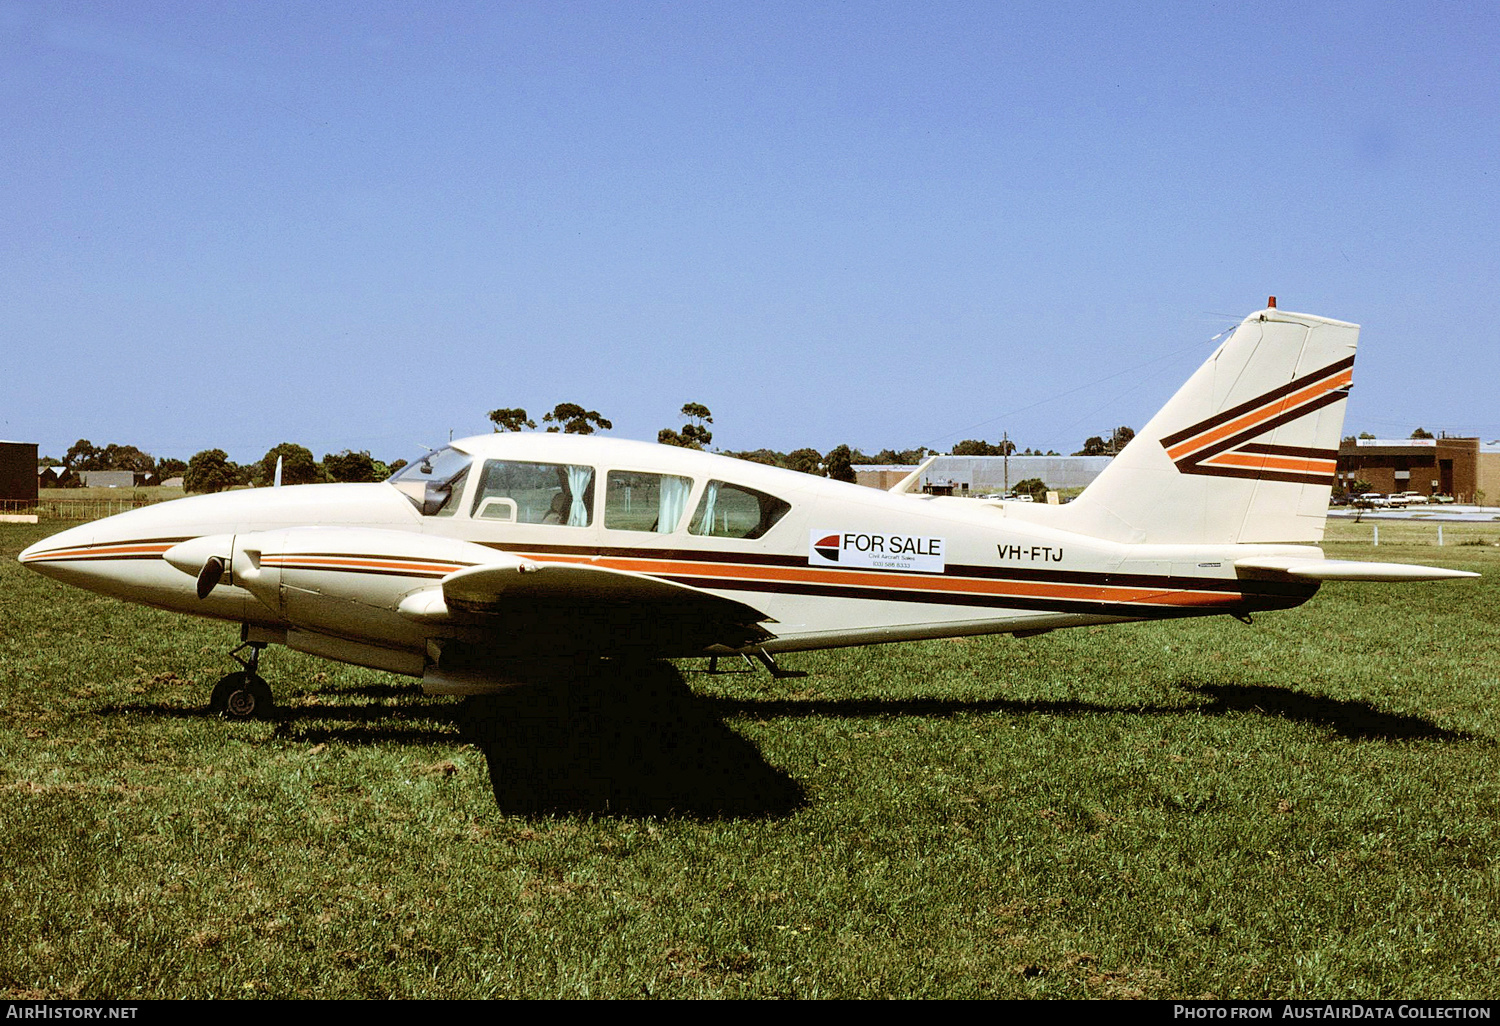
(1350, 570)
(911, 483)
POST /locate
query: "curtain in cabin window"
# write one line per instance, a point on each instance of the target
(704, 522)
(578, 483)
(674, 497)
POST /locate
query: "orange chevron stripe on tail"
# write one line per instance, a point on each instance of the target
(1224, 446)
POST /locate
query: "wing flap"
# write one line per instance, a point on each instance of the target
(565, 607)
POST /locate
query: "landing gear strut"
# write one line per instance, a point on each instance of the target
(776, 671)
(243, 695)
(766, 660)
(713, 664)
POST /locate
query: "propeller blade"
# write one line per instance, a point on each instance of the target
(208, 577)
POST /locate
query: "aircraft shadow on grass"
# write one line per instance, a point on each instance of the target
(638, 741)
(629, 740)
(1358, 721)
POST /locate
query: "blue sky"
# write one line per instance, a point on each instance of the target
(363, 226)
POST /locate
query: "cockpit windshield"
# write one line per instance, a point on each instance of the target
(432, 481)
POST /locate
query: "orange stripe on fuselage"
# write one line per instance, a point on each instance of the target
(878, 582)
(358, 563)
(100, 552)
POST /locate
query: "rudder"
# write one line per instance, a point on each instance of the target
(1244, 452)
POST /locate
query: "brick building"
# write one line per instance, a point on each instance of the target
(18, 472)
(1464, 468)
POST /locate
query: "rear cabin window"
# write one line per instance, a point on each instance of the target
(635, 501)
(534, 493)
(734, 511)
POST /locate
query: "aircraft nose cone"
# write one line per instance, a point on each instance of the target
(65, 547)
(97, 557)
(121, 556)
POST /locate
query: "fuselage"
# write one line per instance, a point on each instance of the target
(827, 563)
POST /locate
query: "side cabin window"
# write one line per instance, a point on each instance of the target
(534, 493)
(636, 501)
(734, 511)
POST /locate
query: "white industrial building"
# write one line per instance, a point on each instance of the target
(985, 475)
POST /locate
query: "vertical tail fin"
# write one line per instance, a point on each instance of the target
(1244, 452)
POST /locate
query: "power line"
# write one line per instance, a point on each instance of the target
(1062, 395)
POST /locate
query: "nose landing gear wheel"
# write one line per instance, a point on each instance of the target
(242, 696)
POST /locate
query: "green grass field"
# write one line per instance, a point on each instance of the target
(1308, 807)
(154, 493)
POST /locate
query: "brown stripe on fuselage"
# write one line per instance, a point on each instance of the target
(974, 585)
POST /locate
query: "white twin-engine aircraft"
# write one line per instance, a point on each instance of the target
(493, 561)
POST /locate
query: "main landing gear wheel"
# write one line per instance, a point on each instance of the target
(242, 696)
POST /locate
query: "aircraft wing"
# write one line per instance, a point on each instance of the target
(347, 581)
(572, 607)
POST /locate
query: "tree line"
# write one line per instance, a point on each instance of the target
(212, 470)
